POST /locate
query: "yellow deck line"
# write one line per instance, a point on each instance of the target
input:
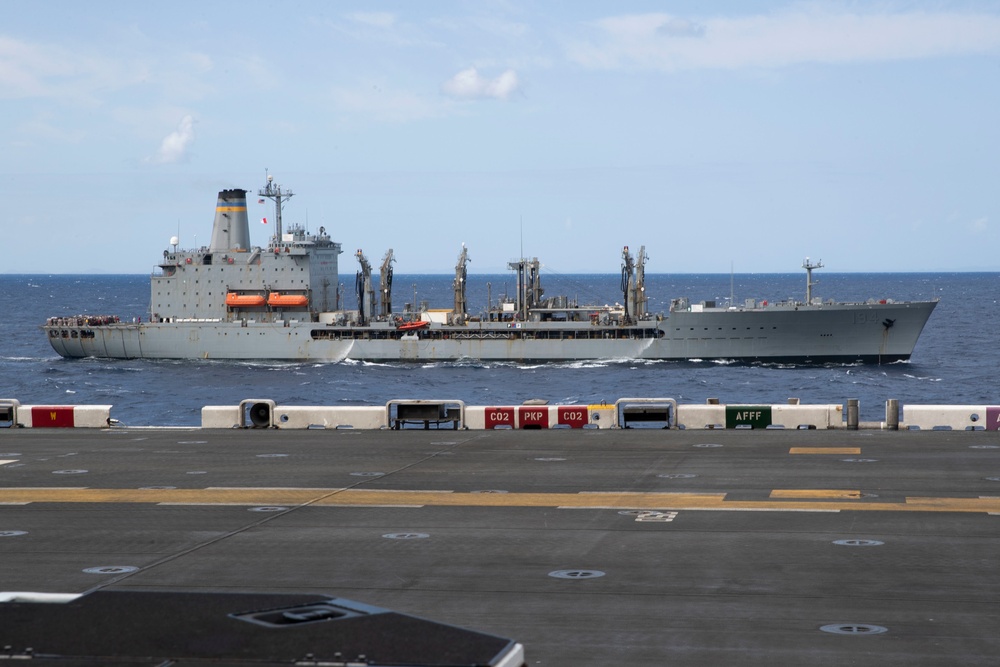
(377, 498)
(824, 450)
(815, 493)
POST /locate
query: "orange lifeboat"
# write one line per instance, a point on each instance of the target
(413, 326)
(235, 300)
(278, 300)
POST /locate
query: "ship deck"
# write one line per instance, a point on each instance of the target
(587, 547)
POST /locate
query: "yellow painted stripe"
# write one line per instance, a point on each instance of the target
(230, 208)
(379, 498)
(350, 497)
(824, 450)
(814, 493)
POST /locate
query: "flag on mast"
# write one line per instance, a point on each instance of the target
(263, 221)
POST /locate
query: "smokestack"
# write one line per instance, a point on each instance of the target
(231, 229)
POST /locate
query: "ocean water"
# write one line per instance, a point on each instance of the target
(954, 362)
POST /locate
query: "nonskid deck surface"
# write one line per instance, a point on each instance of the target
(587, 547)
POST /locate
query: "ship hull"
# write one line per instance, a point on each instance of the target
(872, 333)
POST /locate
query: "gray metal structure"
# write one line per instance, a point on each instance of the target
(229, 301)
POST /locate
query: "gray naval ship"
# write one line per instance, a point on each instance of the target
(233, 301)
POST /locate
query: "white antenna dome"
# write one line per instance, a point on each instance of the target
(174, 240)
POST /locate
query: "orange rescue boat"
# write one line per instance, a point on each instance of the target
(413, 326)
(276, 299)
(235, 300)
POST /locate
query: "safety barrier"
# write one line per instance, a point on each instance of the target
(623, 413)
(452, 413)
(62, 416)
(8, 412)
(534, 417)
(220, 416)
(629, 411)
(264, 413)
(399, 413)
(359, 417)
(792, 416)
(951, 417)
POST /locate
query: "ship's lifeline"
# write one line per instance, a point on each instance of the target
(231, 301)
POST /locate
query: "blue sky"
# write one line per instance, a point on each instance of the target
(743, 134)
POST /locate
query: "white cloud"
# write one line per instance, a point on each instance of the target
(174, 147)
(469, 84)
(980, 225)
(805, 34)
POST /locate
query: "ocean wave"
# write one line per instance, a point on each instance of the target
(926, 378)
(377, 364)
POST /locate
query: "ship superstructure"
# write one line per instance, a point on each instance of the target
(294, 275)
(233, 301)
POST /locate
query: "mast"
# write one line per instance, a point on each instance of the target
(274, 192)
(529, 285)
(732, 285)
(363, 287)
(459, 284)
(628, 283)
(641, 300)
(809, 266)
(385, 284)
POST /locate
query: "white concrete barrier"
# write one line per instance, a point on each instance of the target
(951, 417)
(64, 416)
(356, 416)
(262, 413)
(701, 416)
(807, 416)
(791, 416)
(220, 416)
